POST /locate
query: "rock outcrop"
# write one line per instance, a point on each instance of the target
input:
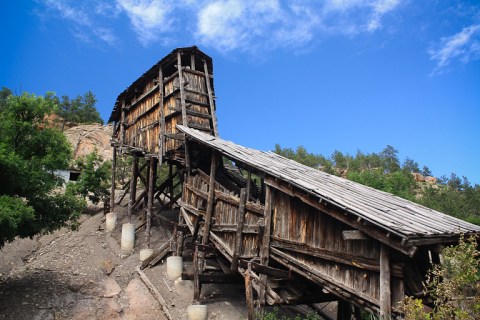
(86, 138)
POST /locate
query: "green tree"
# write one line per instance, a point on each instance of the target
(30, 151)
(454, 285)
(410, 165)
(78, 110)
(390, 159)
(93, 182)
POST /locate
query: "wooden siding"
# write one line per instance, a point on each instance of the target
(225, 215)
(176, 90)
(313, 241)
(411, 222)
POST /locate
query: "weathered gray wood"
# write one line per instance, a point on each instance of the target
(393, 215)
(354, 235)
(339, 214)
(385, 283)
(155, 292)
(161, 121)
(151, 187)
(122, 124)
(265, 248)
(161, 253)
(238, 237)
(133, 187)
(249, 293)
(197, 285)
(114, 169)
(210, 200)
(210, 99)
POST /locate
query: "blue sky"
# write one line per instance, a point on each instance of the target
(330, 75)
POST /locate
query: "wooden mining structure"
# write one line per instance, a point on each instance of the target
(295, 234)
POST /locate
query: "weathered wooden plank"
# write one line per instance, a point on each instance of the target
(155, 293)
(161, 120)
(334, 256)
(239, 229)
(232, 228)
(265, 248)
(336, 213)
(210, 199)
(210, 99)
(249, 293)
(133, 186)
(354, 235)
(385, 284)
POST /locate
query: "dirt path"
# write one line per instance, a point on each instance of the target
(81, 275)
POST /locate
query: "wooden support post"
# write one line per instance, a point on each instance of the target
(238, 238)
(180, 238)
(133, 187)
(146, 183)
(200, 256)
(249, 293)
(265, 248)
(184, 108)
(210, 99)
(385, 282)
(122, 124)
(197, 286)
(210, 199)
(161, 120)
(114, 169)
(151, 187)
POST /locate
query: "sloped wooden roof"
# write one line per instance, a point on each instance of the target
(396, 215)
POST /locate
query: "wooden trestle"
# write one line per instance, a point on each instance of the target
(295, 234)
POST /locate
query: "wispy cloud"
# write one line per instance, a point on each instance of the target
(463, 47)
(83, 20)
(149, 18)
(245, 25)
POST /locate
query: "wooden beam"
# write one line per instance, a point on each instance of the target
(114, 169)
(344, 217)
(249, 293)
(155, 293)
(151, 187)
(265, 247)
(237, 248)
(122, 123)
(133, 186)
(210, 99)
(210, 200)
(354, 235)
(332, 256)
(385, 283)
(161, 120)
(258, 268)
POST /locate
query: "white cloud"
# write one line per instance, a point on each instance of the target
(244, 25)
(149, 18)
(463, 46)
(247, 25)
(82, 21)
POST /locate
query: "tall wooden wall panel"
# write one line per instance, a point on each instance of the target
(314, 240)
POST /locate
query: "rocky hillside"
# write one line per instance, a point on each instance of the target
(88, 137)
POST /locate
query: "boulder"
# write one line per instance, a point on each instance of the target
(431, 180)
(86, 138)
(418, 177)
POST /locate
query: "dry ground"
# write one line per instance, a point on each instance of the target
(81, 275)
